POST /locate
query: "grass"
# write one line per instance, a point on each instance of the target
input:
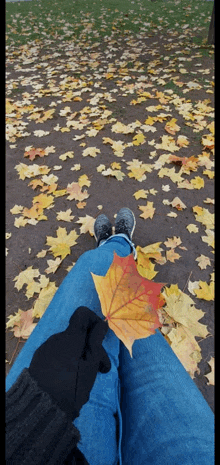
(87, 20)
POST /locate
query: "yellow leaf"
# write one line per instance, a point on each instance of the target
(84, 181)
(139, 139)
(25, 277)
(91, 151)
(66, 155)
(65, 216)
(53, 265)
(203, 261)
(211, 375)
(206, 290)
(172, 256)
(148, 210)
(87, 224)
(192, 228)
(141, 194)
(44, 298)
(197, 182)
(60, 245)
(186, 348)
(180, 307)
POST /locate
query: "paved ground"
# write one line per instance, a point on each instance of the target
(80, 84)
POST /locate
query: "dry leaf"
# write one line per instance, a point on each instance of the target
(203, 262)
(148, 210)
(65, 216)
(60, 245)
(211, 375)
(128, 301)
(87, 224)
(75, 192)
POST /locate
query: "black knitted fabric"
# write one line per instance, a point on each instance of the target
(38, 432)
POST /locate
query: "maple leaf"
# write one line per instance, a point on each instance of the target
(203, 261)
(60, 245)
(65, 216)
(53, 265)
(87, 224)
(66, 155)
(173, 242)
(204, 216)
(144, 265)
(43, 200)
(197, 182)
(180, 307)
(148, 210)
(91, 151)
(211, 375)
(128, 301)
(45, 296)
(139, 139)
(177, 203)
(186, 348)
(182, 141)
(32, 153)
(25, 277)
(141, 194)
(84, 181)
(171, 127)
(23, 323)
(75, 192)
(206, 291)
(192, 228)
(168, 143)
(172, 256)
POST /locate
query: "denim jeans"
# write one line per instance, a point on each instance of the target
(146, 409)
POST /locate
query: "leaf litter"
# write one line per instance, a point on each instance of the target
(150, 122)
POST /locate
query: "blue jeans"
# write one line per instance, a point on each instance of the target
(146, 409)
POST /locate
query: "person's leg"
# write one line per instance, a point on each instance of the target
(96, 422)
(165, 418)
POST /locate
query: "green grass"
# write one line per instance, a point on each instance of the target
(89, 20)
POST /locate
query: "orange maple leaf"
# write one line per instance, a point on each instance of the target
(32, 153)
(128, 301)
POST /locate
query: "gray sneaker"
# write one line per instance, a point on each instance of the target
(125, 222)
(102, 228)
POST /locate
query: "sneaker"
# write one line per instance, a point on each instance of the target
(125, 222)
(102, 228)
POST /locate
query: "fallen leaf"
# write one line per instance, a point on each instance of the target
(23, 326)
(65, 216)
(206, 291)
(128, 301)
(43, 300)
(32, 153)
(203, 261)
(148, 210)
(141, 194)
(172, 256)
(53, 265)
(178, 204)
(25, 277)
(173, 242)
(75, 192)
(192, 228)
(60, 245)
(66, 155)
(87, 224)
(211, 375)
(91, 151)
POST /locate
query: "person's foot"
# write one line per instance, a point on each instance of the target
(125, 222)
(102, 228)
